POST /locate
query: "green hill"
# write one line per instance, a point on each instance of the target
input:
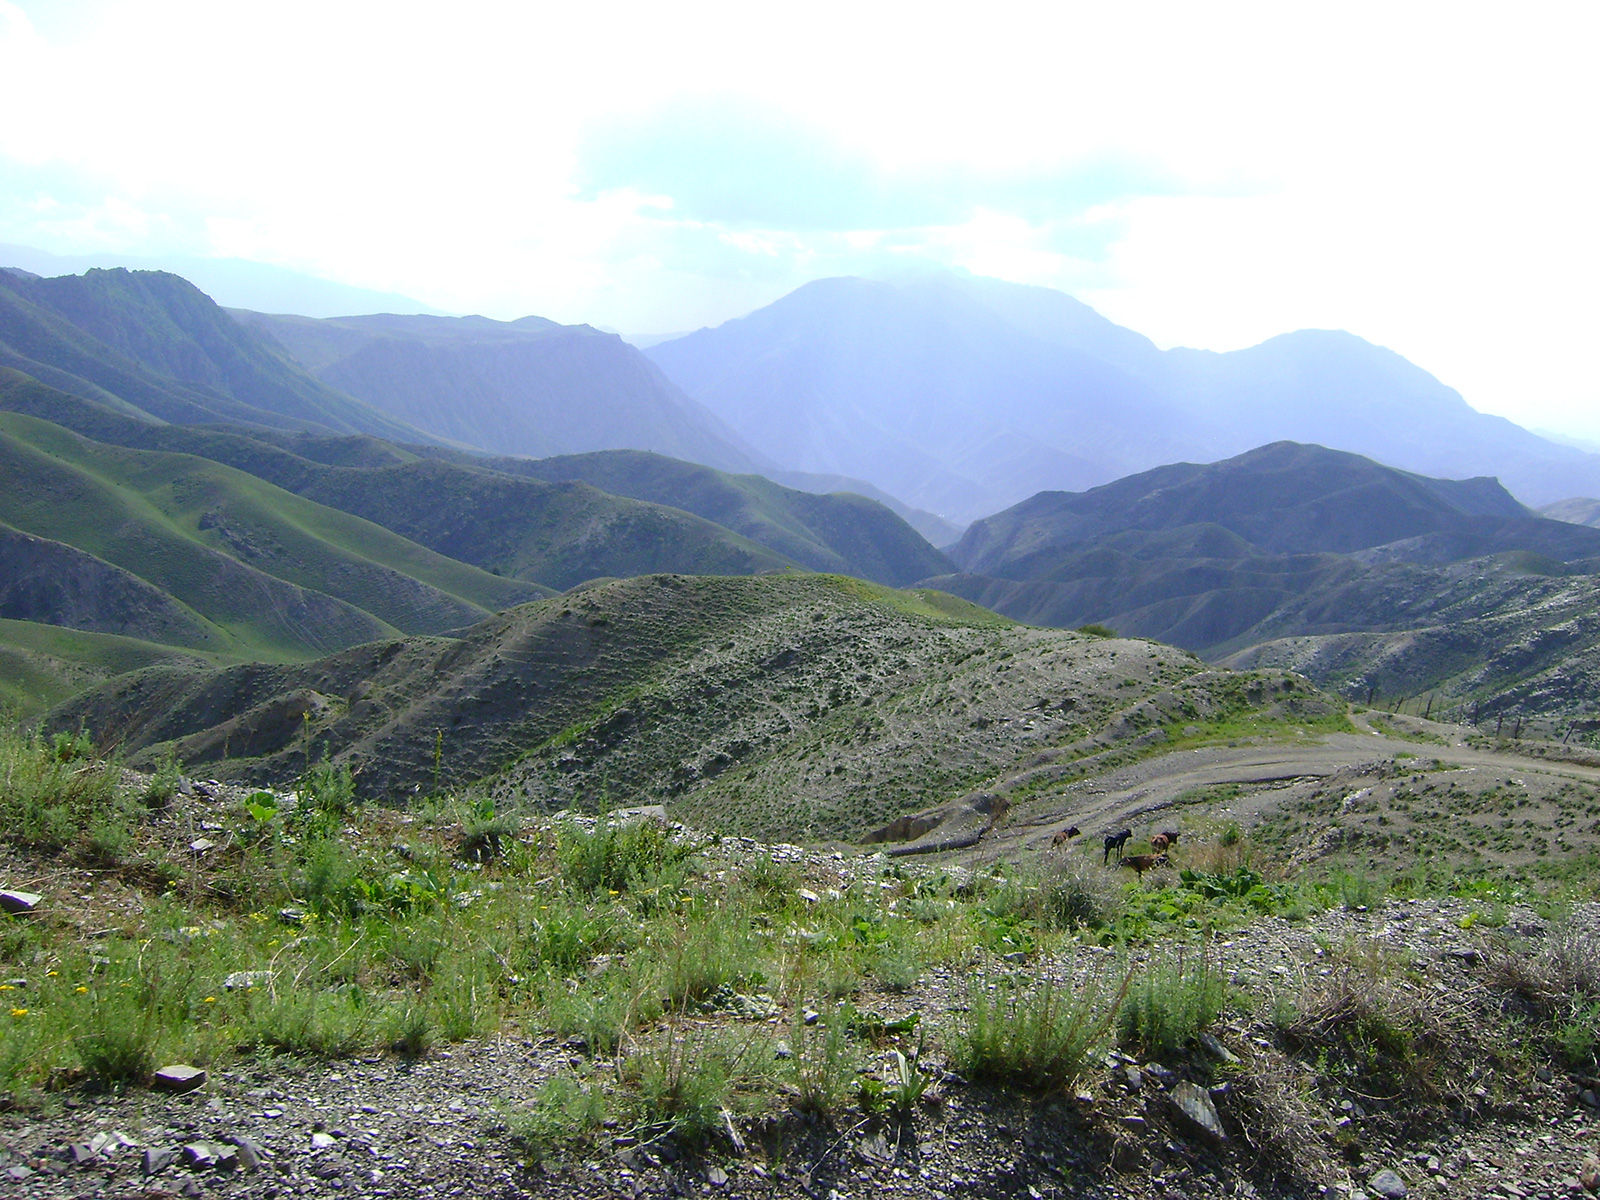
(43, 665)
(152, 344)
(806, 706)
(839, 532)
(536, 519)
(262, 570)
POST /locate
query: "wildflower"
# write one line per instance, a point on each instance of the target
(614, 892)
(209, 1000)
(80, 989)
(19, 1012)
(50, 973)
(6, 987)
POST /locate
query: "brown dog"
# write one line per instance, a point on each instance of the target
(1065, 836)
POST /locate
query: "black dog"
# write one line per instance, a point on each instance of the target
(1116, 841)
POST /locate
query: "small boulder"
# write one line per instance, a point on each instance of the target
(1193, 1104)
(1217, 1050)
(201, 1154)
(19, 902)
(1388, 1185)
(249, 1151)
(156, 1160)
(178, 1077)
(321, 1141)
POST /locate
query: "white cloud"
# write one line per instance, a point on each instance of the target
(1422, 174)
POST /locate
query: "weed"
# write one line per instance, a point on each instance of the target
(563, 1112)
(636, 857)
(1172, 1002)
(687, 1078)
(120, 1045)
(164, 783)
(1040, 1038)
(825, 1062)
(53, 794)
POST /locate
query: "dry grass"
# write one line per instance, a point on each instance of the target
(1389, 1035)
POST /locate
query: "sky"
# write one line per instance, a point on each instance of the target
(1423, 175)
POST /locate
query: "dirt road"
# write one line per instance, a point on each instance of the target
(1133, 796)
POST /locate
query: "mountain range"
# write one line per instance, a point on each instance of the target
(964, 395)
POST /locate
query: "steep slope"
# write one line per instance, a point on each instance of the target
(844, 533)
(964, 395)
(511, 520)
(809, 706)
(58, 584)
(261, 569)
(1202, 555)
(162, 346)
(528, 387)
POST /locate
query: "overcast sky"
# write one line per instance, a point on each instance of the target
(1423, 175)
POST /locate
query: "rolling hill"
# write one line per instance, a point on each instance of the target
(255, 569)
(965, 395)
(1363, 577)
(838, 532)
(537, 519)
(1200, 555)
(798, 706)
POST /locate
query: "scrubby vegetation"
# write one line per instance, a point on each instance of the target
(700, 981)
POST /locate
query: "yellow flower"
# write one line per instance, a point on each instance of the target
(80, 989)
(614, 892)
(6, 987)
(19, 1012)
(209, 1000)
(49, 973)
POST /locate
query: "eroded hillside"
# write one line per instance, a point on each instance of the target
(807, 706)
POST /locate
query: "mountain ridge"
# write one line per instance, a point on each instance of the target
(964, 395)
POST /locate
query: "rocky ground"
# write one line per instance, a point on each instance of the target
(441, 1126)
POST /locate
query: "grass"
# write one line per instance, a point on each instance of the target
(58, 794)
(1039, 1038)
(1174, 999)
(673, 967)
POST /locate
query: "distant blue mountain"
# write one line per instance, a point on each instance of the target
(964, 395)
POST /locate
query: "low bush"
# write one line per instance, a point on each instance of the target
(54, 795)
(1174, 999)
(1039, 1038)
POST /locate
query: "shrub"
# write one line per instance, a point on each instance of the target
(164, 783)
(1368, 1021)
(120, 1043)
(1075, 892)
(562, 1112)
(1040, 1038)
(637, 857)
(825, 1062)
(52, 795)
(1171, 1003)
(688, 1079)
